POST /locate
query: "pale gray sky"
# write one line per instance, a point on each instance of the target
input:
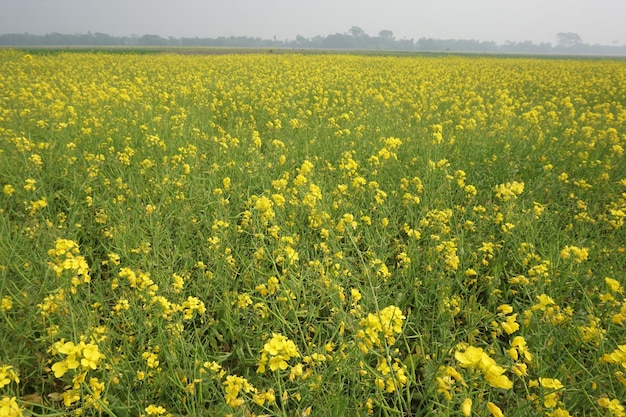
(596, 21)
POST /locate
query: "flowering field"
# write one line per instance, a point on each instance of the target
(291, 235)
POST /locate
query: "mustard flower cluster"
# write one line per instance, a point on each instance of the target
(276, 353)
(575, 253)
(476, 358)
(380, 329)
(8, 375)
(82, 355)
(237, 388)
(79, 358)
(509, 190)
(393, 375)
(617, 357)
(9, 406)
(156, 410)
(67, 258)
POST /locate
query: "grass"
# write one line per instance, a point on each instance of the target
(311, 235)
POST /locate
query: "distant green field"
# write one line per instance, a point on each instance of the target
(210, 50)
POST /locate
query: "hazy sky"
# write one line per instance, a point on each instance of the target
(596, 21)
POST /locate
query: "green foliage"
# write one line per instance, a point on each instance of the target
(311, 235)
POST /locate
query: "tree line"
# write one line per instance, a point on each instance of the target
(353, 39)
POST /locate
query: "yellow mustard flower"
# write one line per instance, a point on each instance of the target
(277, 352)
(10, 408)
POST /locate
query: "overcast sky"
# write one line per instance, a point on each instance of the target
(596, 21)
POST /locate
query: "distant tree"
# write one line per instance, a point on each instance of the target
(568, 39)
(356, 31)
(152, 40)
(104, 39)
(386, 34)
(338, 41)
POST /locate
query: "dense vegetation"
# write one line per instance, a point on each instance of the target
(311, 235)
(354, 39)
